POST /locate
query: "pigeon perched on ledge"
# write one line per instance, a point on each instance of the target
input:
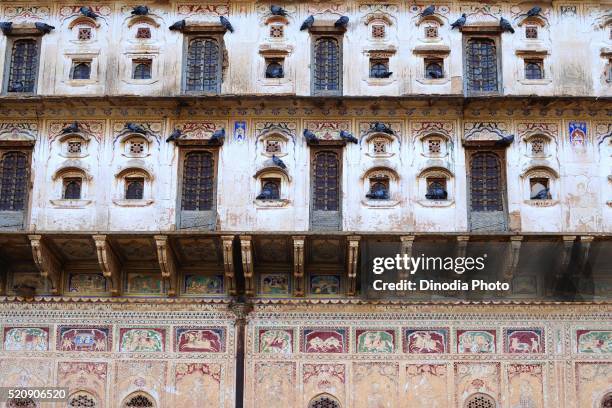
(429, 11)
(535, 11)
(381, 127)
(385, 74)
(505, 25)
(278, 162)
(307, 23)
(226, 23)
(178, 26)
(44, 27)
(379, 194)
(176, 133)
(140, 11)
(217, 137)
(6, 27)
(542, 194)
(460, 22)
(342, 22)
(505, 141)
(348, 137)
(278, 11)
(88, 12)
(437, 193)
(133, 127)
(310, 137)
(71, 128)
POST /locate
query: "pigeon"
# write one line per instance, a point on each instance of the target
(535, 11)
(386, 74)
(278, 11)
(44, 27)
(436, 193)
(278, 162)
(133, 127)
(505, 141)
(88, 12)
(266, 194)
(217, 137)
(225, 23)
(380, 193)
(176, 133)
(348, 137)
(342, 22)
(381, 127)
(140, 11)
(6, 27)
(71, 128)
(310, 137)
(433, 74)
(541, 195)
(429, 11)
(275, 71)
(307, 23)
(505, 25)
(460, 22)
(178, 26)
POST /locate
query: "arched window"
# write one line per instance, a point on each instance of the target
(81, 70)
(13, 181)
(324, 401)
(142, 69)
(378, 69)
(326, 182)
(433, 69)
(72, 188)
(270, 189)
(533, 69)
(140, 400)
(606, 402)
(481, 60)
(21, 403)
(274, 70)
(82, 399)
(327, 66)
(24, 66)
(134, 188)
(203, 66)
(486, 182)
(198, 181)
(480, 401)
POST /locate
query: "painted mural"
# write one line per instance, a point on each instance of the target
(204, 340)
(324, 341)
(526, 385)
(70, 338)
(274, 284)
(144, 284)
(475, 341)
(87, 283)
(141, 340)
(26, 338)
(427, 385)
(428, 341)
(577, 133)
(324, 285)
(375, 341)
(524, 341)
(275, 341)
(198, 381)
(203, 285)
(594, 341)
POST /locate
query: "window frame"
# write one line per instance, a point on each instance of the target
(11, 40)
(498, 55)
(220, 61)
(315, 38)
(24, 214)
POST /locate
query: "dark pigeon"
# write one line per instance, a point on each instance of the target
(460, 22)
(266, 194)
(178, 26)
(71, 128)
(433, 74)
(140, 11)
(275, 71)
(429, 11)
(380, 193)
(310, 137)
(88, 12)
(348, 137)
(541, 195)
(307, 23)
(217, 137)
(383, 74)
(278, 162)
(505, 25)
(44, 27)
(278, 11)
(225, 23)
(437, 193)
(6, 27)
(381, 127)
(535, 11)
(342, 22)
(176, 133)
(505, 141)
(133, 127)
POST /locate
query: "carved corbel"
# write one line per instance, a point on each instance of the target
(462, 242)
(566, 256)
(167, 263)
(512, 259)
(406, 249)
(585, 249)
(247, 264)
(47, 262)
(352, 264)
(109, 263)
(298, 265)
(228, 263)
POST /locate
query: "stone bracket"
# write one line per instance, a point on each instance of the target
(406, 245)
(513, 257)
(167, 263)
(47, 262)
(228, 263)
(585, 249)
(352, 264)
(568, 244)
(3, 277)
(298, 265)
(246, 249)
(462, 242)
(109, 263)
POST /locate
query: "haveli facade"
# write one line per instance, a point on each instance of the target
(141, 272)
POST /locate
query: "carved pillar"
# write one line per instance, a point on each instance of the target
(462, 242)
(585, 249)
(352, 264)
(246, 250)
(228, 263)
(298, 265)
(47, 262)
(167, 263)
(109, 263)
(568, 244)
(241, 310)
(406, 249)
(512, 260)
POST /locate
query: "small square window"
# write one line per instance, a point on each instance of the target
(274, 68)
(378, 31)
(277, 31)
(143, 33)
(531, 32)
(534, 69)
(71, 188)
(537, 147)
(379, 188)
(273, 146)
(436, 188)
(379, 146)
(433, 146)
(539, 188)
(137, 146)
(80, 70)
(74, 147)
(431, 32)
(84, 34)
(134, 188)
(434, 68)
(141, 68)
(270, 189)
(379, 68)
